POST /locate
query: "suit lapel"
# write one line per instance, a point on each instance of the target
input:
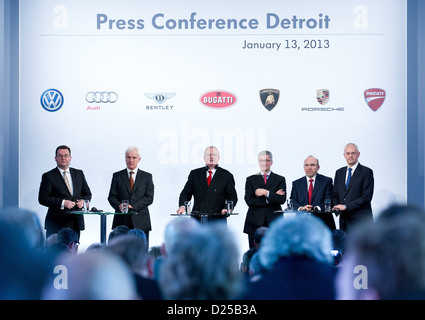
(138, 181)
(74, 179)
(125, 180)
(215, 178)
(317, 184)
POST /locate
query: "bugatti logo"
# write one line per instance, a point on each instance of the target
(218, 99)
(51, 100)
(323, 96)
(269, 98)
(159, 97)
(374, 98)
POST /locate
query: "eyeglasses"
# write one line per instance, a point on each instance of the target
(63, 156)
(262, 161)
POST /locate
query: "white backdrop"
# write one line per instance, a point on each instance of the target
(68, 46)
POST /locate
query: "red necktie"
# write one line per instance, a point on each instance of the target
(265, 179)
(310, 191)
(131, 181)
(209, 177)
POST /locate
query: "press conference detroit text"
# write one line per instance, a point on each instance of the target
(160, 21)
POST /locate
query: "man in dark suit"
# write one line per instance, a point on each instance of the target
(265, 192)
(353, 190)
(137, 187)
(310, 192)
(211, 187)
(62, 190)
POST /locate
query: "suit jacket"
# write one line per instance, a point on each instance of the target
(51, 193)
(140, 198)
(209, 199)
(357, 197)
(322, 190)
(261, 209)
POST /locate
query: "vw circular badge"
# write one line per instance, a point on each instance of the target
(51, 100)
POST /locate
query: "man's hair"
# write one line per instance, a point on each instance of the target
(66, 236)
(311, 156)
(132, 149)
(351, 144)
(63, 147)
(211, 147)
(266, 153)
(305, 236)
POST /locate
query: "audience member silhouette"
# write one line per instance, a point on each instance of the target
(203, 266)
(24, 268)
(118, 230)
(132, 249)
(94, 275)
(386, 260)
(69, 238)
(296, 254)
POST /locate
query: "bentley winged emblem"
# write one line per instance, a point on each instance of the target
(160, 97)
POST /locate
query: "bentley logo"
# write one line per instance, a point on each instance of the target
(323, 96)
(159, 97)
(269, 98)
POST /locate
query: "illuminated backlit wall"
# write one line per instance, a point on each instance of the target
(297, 78)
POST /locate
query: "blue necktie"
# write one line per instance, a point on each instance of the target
(348, 178)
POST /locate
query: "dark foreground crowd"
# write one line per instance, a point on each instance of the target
(295, 258)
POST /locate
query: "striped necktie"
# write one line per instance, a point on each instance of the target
(67, 182)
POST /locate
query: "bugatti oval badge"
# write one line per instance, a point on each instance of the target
(218, 99)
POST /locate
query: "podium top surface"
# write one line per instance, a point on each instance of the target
(100, 212)
(198, 213)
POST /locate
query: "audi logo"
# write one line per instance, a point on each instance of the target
(101, 97)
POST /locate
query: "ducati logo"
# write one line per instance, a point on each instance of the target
(374, 98)
(269, 98)
(323, 96)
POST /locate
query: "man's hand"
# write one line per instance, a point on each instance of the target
(261, 192)
(69, 204)
(307, 207)
(280, 192)
(341, 207)
(181, 210)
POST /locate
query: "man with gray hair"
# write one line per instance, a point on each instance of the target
(265, 192)
(353, 190)
(135, 186)
(296, 252)
(211, 187)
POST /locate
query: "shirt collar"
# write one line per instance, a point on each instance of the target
(353, 168)
(62, 171)
(134, 171)
(314, 178)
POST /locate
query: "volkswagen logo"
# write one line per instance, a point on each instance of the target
(101, 97)
(51, 100)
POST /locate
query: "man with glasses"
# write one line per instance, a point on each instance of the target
(62, 190)
(265, 192)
